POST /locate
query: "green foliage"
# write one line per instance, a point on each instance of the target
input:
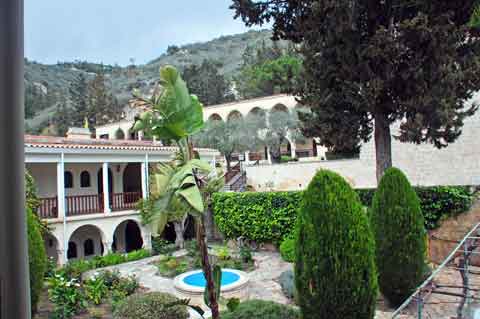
(66, 296)
(269, 217)
(95, 290)
(162, 247)
(37, 257)
(233, 304)
(206, 82)
(335, 249)
(262, 217)
(405, 49)
(173, 266)
(75, 269)
(398, 225)
(287, 282)
(262, 309)
(151, 305)
(287, 249)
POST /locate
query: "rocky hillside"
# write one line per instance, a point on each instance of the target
(54, 80)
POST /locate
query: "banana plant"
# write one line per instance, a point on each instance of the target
(174, 114)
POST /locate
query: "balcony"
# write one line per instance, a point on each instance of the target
(88, 204)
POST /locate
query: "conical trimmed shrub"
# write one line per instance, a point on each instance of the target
(335, 271)
(398, 226)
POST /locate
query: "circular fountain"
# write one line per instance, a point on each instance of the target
(190, 285)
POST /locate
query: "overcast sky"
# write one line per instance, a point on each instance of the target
(113, 31)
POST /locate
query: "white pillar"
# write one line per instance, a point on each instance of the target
(106, 189)
(61, 189)
(269, 156)
(293, 149)
(144, 173)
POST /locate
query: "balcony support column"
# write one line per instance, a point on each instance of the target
(106, 189)
(144, 174)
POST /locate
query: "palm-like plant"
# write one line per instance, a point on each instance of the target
(182, 185)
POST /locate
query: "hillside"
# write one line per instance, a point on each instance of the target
(55, 79)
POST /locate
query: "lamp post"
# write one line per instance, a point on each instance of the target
(14, 276)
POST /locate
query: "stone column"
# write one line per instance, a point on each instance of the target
(61, 189)
(106, 189)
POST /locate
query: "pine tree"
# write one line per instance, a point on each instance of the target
(368, 64)
(78, 91)
(103, 106)
(206, 82)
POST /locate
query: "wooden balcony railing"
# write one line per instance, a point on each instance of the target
(84, 204)
(87, 204)
(124, 201)
(48, 207)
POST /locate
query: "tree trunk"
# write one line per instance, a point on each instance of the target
(207, 269)
(179, 230)
(227, 159)
(383, 145)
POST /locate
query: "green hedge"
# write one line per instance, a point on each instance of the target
(264, 217)
(270, 216)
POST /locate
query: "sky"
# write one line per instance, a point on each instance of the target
(114, 31)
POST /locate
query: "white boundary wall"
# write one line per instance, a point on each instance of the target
(425, 165)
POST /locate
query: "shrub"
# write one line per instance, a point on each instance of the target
(262, 217)
(150, 305)
(262, 309)
(270, 216)
(66, 296)
(37, 258)
(95, 290)
(162, 247)
(287, 282)
(400, 235)
(335, 252)
(287, 249)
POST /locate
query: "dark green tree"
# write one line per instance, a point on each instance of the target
(78, 91)
(335, 271)
(398, 225)
(368, 64)
(207, 83)
(36, 249)
(227, 137)
(103, 106)
(63, 118)
(267, 70)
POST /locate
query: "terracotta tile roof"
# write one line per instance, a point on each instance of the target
(63, 142)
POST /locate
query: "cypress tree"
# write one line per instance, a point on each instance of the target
(335, 271)
(398, 226)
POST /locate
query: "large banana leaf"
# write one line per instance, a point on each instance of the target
(174, 114)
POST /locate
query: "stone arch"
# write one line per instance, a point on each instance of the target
(81, 237)
(119, 134)
(279, 108)
(127, 236)
(215, 117)
(234, 115)
(52, 246)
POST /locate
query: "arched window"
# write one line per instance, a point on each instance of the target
(68, 176)
(88, 247)
(85, 179)
(72, 250)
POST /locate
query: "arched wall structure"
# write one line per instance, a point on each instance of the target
(100, 230)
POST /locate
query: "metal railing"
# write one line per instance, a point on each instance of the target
(452, 290)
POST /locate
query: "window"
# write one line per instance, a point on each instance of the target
(68, 179)
(72, 250)
(104, 137)
(88, 247)
(85, 179)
